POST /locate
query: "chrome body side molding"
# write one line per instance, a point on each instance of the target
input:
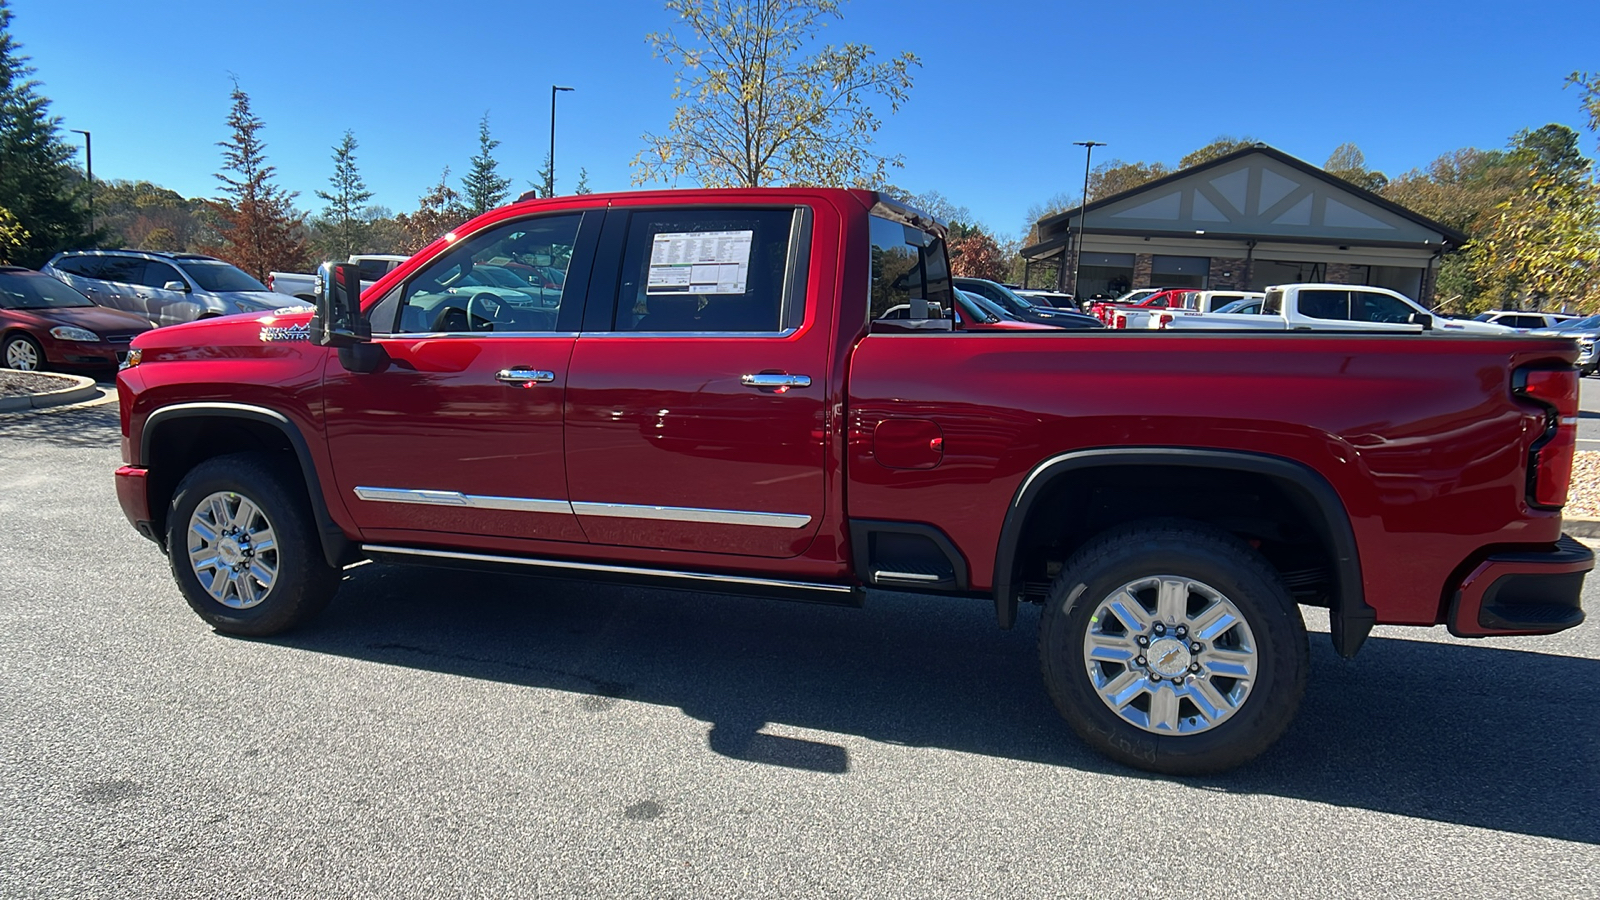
(582, 508)
(456, 498)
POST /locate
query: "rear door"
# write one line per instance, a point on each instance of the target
(1352, 310)
(695, 401)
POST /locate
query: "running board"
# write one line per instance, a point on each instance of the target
(707, 582)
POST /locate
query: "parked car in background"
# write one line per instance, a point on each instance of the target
(974, 312)
(1106, 311)
(167, 288)
(1586, 331)
(1189, 303)
(46, 323)
(1047, 298)
(1025, 309)
(1336, 307)
(1522, 320)
(304, 286)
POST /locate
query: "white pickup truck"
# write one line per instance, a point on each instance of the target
(1331, 307)
(304, 287)
(1187, 303)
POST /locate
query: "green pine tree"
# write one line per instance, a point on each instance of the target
(484, 187)
(344, 219)
(39, 185)
(583, 182)
(545, 187)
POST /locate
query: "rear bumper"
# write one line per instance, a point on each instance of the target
(1523, 592)
(134, 497)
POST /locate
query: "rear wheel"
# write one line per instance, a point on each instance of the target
(1174, 647)
(243, 546)
(22, 353)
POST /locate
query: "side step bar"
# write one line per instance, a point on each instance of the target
(707, 582)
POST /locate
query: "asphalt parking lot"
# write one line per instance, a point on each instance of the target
(439, 734)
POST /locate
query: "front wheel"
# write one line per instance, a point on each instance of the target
(243, 546)
(22, 353)
(1174, 647)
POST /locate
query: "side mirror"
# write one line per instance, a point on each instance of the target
(175, 286)
(338, 321)
(1423, 319)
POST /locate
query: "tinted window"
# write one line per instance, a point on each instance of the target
(157, 275)
(373, 269)
(37, 292)
(510, 294)
(1325, 304)
(1272, 305)
(82, 266)
(709, 270)
(121, 269)
(216, 275)
(1365, 307)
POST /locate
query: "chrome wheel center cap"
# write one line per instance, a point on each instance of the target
(1169, 657)
(228, 551)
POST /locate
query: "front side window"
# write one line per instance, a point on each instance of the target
(1382, 308)
(157, 275)
(492, 281)
(711, 270)
(909, 269)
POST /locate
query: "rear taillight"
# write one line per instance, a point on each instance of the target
(272, 282)
(1122, 321)
(1163, 320)
(1550, 459)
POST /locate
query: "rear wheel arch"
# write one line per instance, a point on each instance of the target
(1312, 498)
(178, 437)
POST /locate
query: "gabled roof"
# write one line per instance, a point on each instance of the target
(1292, 214)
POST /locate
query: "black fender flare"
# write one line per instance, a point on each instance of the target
(337, 548)
(1351, 618)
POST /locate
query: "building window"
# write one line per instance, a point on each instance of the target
(1179, 271)
(1105, 274)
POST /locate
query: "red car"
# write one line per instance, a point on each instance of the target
(712, 403)
(46, 323)
(1162, 299)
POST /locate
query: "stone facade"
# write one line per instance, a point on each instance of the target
(1141, 270)
(1228, 274)
(1343, 273)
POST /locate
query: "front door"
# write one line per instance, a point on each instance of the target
(696, 405)
(461, 433)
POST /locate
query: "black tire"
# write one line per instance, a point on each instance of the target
(1189, 550)
(22, 339)
(304, 581)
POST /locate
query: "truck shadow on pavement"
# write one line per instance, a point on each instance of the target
(1476, 735)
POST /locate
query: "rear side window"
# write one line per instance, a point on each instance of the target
(81, 266)
(121, 269)
(374, 269)
(909, 270)
(712, 270)
(157, 275)
(1333, 305)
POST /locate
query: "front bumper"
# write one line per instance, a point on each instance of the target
(134, 497)
(1523, 592)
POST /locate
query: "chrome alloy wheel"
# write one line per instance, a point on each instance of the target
(22, 356)
(1170, 655)
(233, 550)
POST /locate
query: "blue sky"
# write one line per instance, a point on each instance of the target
(1004, 88)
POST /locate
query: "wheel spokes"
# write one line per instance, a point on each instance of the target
(1172, 600)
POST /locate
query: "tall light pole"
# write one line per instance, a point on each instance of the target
(1083, 213)
(88, 164)
(550, 176)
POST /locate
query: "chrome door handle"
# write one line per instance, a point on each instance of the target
(525, 377)
(775, 380)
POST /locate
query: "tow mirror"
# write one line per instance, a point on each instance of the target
(338, 322)
(1423, 319)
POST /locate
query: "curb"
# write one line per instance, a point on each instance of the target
(1581, 528)
(83, 388)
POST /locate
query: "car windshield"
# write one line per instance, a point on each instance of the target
(1579, 324)
(38, 292)
(216, 275)
(1483, 317)
(986, 308)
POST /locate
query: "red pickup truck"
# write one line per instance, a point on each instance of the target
(711, 403)
(1106, 310)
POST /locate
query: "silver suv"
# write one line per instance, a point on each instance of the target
(1586, 332)
(166, 288)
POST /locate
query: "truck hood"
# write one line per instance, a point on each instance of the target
(257, 300)
(229, 336)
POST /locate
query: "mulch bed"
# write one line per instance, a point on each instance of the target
(20, 384)
(1583, 501)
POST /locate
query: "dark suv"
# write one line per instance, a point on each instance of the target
(167, 288)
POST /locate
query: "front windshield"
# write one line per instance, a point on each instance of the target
(1578, 324)
(988, 306)
(1482, 317)
(38, 292)
(216, 275)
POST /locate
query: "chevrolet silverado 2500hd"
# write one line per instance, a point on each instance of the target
(712, 402)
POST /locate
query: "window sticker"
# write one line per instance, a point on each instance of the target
(700, 262)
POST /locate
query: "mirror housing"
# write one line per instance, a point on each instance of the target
(1423, 319)
(338, 321)
(175, 286)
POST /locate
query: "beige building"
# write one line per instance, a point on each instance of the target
(1253, 218)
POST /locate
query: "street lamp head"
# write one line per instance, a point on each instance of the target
(557, 87)
(1090, 144)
